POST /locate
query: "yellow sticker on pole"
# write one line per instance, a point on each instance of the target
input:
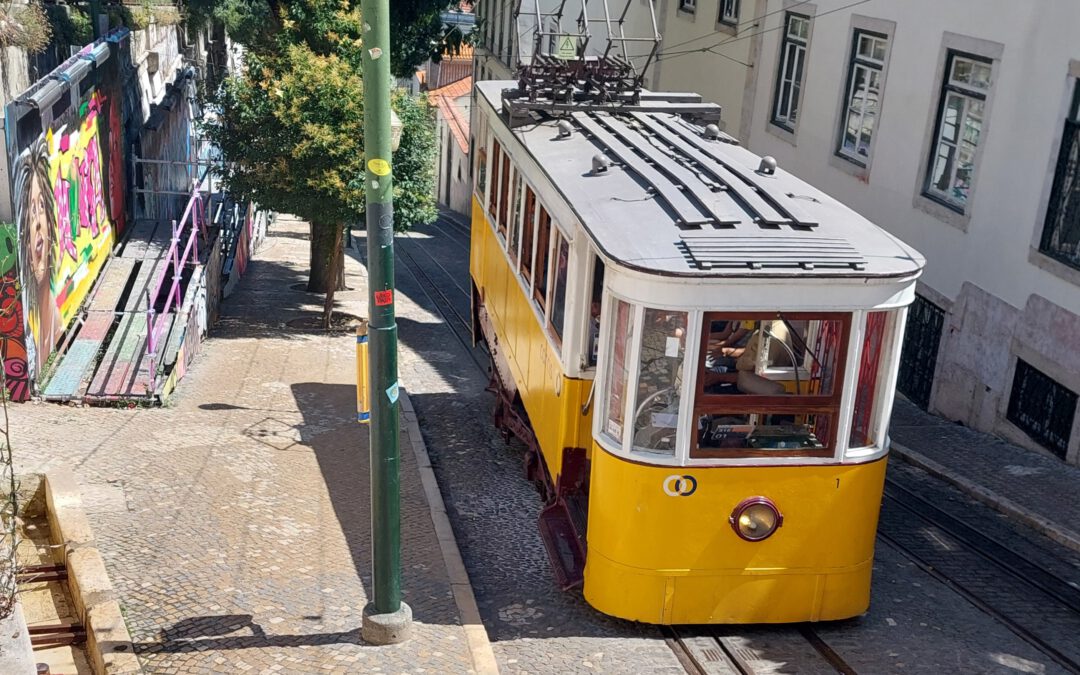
(379, 167)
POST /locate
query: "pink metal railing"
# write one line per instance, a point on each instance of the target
(192, 223)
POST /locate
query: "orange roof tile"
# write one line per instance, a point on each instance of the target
(444, 98)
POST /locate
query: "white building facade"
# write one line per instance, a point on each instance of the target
(956, 126)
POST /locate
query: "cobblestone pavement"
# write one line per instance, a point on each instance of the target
(234, 523)
(1033, 481)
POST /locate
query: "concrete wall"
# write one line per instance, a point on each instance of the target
(720, 75)
(1003, 298)
(453, 184)
(73, 150)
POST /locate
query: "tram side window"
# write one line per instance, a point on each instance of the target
(561, 264)
(873, 369)
(504, 194)
(496, 160)
(619, 374)
(656, 409)
(515, 221)
(543, 235)
(769, 384)
(595, 296)
(528, 225)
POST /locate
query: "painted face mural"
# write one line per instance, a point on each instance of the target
(65, 234)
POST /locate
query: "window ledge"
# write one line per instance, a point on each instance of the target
(946, 214)
(850, 166)
(781, 132)
(1053, 266)
(727, 28)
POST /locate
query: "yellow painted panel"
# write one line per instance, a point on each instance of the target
(830, 516)
(552, 400)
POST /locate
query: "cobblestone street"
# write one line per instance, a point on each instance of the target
(234, 523)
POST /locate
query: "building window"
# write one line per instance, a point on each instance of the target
(1042, 408)
(729, 12)
(1061, 232)
(959, 126)
(792, 66)
(688, 5)
(863, 99)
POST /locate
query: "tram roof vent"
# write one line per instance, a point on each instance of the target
(767, 166)
(712, 132)
(566, 128)
(600, 164)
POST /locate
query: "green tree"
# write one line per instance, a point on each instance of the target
(416, 29)
(290, 129)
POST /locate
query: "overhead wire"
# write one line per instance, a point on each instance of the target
(667, 55)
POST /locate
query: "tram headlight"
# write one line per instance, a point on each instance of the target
(755, 519)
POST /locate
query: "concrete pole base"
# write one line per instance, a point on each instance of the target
(386, 629)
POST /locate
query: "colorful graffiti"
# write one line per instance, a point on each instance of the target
(12, 343)
(65, 232)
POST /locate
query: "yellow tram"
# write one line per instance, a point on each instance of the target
(700, 351)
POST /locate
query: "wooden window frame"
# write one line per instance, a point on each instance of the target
(543, 255)
(553, 261)
(505, 186)
(739, 404)
(528, 235)
(493, 178)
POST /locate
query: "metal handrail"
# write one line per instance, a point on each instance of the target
(192, 223)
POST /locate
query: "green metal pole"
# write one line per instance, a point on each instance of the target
(386, 619)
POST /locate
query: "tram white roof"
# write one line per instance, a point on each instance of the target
(675, 202)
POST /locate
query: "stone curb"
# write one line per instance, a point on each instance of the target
(108, 643)
(1022, 514)
(483, 656)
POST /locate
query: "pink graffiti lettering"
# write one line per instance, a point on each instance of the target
(61, 190)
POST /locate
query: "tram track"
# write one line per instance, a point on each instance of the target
(713, 650)
(460, 326)
(1021, 596)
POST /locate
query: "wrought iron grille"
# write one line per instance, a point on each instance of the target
(1044, 409)
(919, 356)
(1061, 232)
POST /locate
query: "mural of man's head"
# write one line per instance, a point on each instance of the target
(35, 214)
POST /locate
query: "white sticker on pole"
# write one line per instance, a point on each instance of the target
(392, 392)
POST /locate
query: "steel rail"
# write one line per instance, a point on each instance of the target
(960, 589)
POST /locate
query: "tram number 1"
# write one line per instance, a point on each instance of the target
(837, 483)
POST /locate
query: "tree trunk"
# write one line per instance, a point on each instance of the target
(322, 252)
(327, 274)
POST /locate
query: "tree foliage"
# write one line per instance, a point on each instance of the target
(416, 29)
(414, 162)
(291, 126)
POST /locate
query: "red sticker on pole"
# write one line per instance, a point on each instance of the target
(383, 298)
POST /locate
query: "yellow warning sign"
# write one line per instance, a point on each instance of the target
(567, 48)
(379, 167)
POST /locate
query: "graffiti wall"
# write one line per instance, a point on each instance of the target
(65, 146)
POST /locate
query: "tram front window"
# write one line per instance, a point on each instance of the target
(769, 384)
(656, 408)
